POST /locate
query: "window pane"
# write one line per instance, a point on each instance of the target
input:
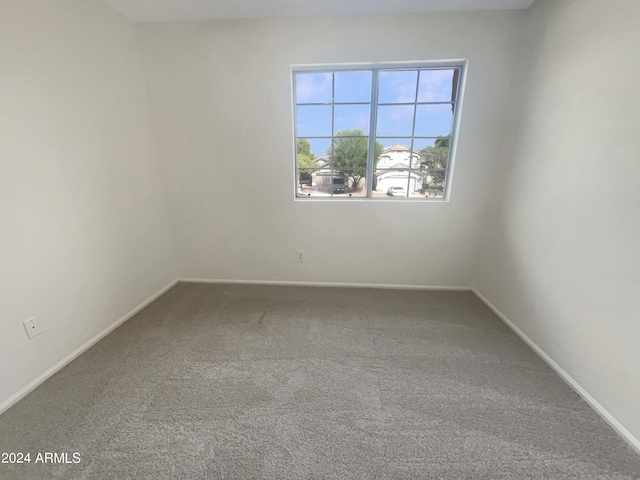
(397, 87)
(322, 180)
(436, 86)
(436, 157)
(313, 121)
(357, 186)
(434, 120)
(350, 153)
(420, 143)
(387, 142)
(395, 121)
(352, 87)
(396, 153)
(393, 183)
(354, 118)
(433, 183)
(305, 181)
(314, 87)
(319, 146)
(305, 157)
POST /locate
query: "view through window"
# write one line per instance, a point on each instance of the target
(376, 132)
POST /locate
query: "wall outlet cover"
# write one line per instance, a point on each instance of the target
(32, 328)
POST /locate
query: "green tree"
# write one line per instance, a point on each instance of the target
(304, 146)
(306, 161)
(350, 154)
(436, 157)
(442, 141)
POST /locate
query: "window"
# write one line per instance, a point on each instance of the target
(382, 133)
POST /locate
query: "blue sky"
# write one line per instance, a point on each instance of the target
(393, 120)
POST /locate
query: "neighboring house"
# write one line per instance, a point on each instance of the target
(392, 169)
(398, 154)
(322, 161)
(398, 178)
(306, 173)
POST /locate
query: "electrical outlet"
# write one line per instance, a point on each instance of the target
(300, 256)
(32, 327)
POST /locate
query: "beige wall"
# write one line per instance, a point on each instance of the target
(84, 236)
(221, 96)
(561, 254)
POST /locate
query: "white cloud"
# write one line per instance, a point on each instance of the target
(313, 87)
(435, 85)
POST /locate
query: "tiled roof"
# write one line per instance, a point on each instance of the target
(398, 147)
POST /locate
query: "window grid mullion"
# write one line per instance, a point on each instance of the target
(407, 103)
(295, 137)
(326, 104)
(373, 116)
(333, 116)
(413, 131)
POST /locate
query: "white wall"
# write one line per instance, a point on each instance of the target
(84, 235)
(561, 256)
(221, 97)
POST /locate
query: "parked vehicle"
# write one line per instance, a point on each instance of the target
(326, 181)
(397, 191)
(338, 185)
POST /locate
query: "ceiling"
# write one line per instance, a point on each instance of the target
(165, 10)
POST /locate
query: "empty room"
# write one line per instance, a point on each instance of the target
(272, 239)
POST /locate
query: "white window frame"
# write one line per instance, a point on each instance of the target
(375, 68)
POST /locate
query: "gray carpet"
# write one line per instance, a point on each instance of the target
(264, 382)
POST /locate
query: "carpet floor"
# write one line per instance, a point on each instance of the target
(270, 382)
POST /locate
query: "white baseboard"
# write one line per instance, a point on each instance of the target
(16, 397)
(593, 403)
(391, 286)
